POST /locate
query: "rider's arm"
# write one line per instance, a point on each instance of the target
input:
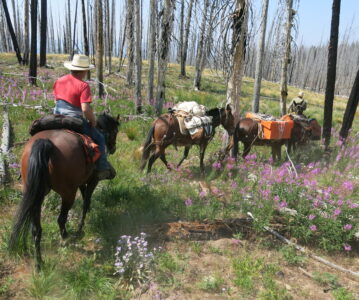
(88, 113)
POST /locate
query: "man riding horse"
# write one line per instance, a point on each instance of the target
(73, 98)
(298, 104)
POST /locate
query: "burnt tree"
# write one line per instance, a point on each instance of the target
(331, 73)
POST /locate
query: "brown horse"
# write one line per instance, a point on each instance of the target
(166, 131)
(56, 160)
(247, 132)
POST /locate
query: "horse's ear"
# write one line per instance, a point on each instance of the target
(228, 107)
(118, 117)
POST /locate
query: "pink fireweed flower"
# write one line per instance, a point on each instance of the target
(215, 190)
(347, 227)
(217, 165)
(234, 185)
(347, 185)
(337, 212)
(265, 193)
(203, 193)
(276, 198)
(313, 228)
(311, 217)
(188, 202)
(283, 204)
(340, 202)
(230, 166)
(353, 205)
(347, 247)
(236, 242)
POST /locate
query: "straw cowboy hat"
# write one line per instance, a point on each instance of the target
(301, 94)
(79, 63)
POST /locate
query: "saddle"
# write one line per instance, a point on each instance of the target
(71, 125)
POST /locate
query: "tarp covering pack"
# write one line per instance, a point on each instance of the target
(193, 116)
(271, 128)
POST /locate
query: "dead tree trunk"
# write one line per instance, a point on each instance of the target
(164, 43)
(130, 41)
(238, 51)
(152, 48)
(185, 40)
(138, 57)
(350, 109)
(43, 33)
(84, 29)
(201, 48)
(74, 31)
(286, 58)
(12, 32)
(331, 73)
(259, 61)
(33, 56)
(99, 48)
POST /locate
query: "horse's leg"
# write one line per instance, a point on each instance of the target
(153, 158)
(87, 191)
(235, 146)
(246, 149)
(67, 201)
(202, 150)
(185, 155)
(36, 235)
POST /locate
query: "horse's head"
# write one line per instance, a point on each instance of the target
(108, 125)
(316, 130)
(301, 132)
(223, 116)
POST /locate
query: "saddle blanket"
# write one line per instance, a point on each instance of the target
(194, 123)
(92, 150)
(271, 128)
(191, 107)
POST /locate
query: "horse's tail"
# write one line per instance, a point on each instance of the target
(36, 186)
(147, 147)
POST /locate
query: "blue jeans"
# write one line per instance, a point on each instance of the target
(64, 108)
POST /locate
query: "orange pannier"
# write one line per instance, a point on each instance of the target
(273, 129)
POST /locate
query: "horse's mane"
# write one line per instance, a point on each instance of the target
(107, 122)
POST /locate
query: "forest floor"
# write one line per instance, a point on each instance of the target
(188, 220)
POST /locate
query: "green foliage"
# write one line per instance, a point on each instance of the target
(291, 255)
(197, 247)
(343, 294)
(86, 279)
(326, 279)
(251, 273)
(211, 283)
(166, 267)
(43, 284)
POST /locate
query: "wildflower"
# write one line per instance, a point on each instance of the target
(265, 193)
(215, 190)
(188, 202)
(230, 166)
(311, 217)
(217, 165)
(283, 204)
(313, 227)
(234, 185)
(14, 166)
(203, 193)
(347, 247)
(276, 198)
(347, 226)
(236, 242)
(347, 185)
(337, 212)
